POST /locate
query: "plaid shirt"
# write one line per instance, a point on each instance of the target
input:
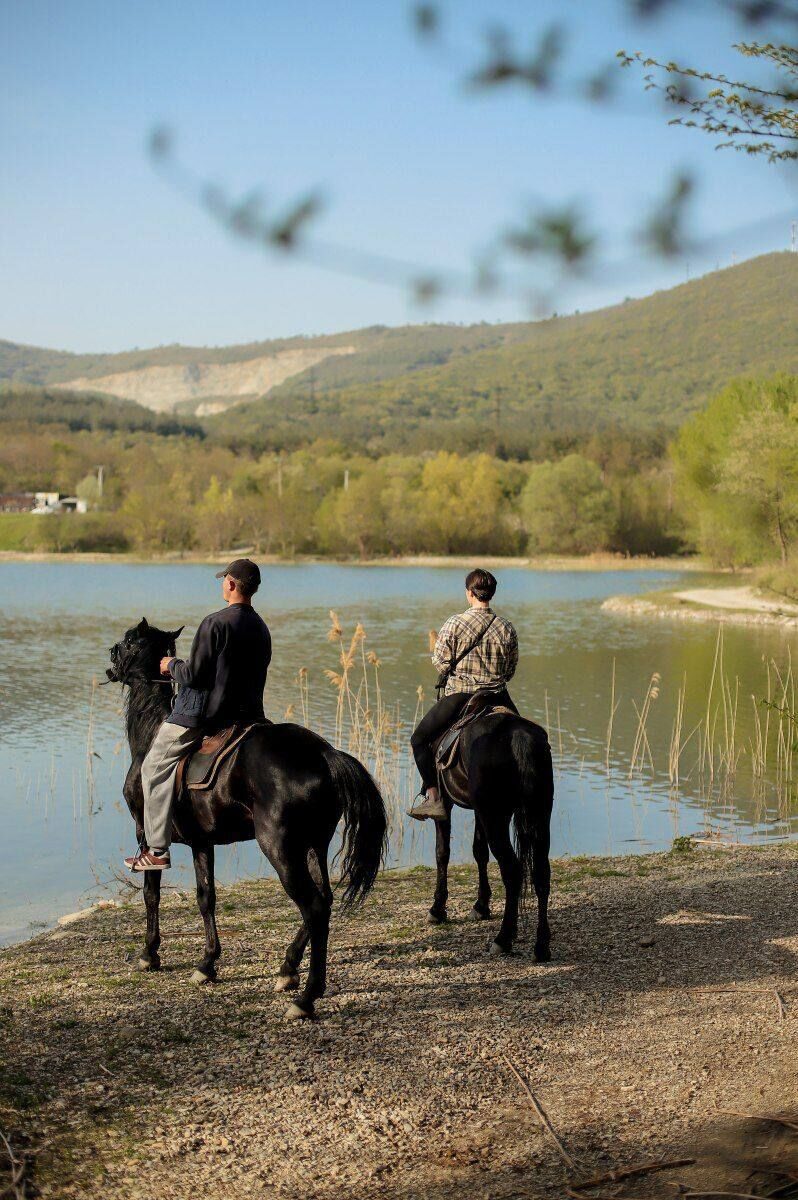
(490, 665)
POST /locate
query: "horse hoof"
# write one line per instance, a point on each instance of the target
(437, 919)
(148, 964)
(296, 1012)
(202, 977)
(286, 983)
(476, 914)
(497, 951)
(542, 954)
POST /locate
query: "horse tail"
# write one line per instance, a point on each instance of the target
(532, 813)
(365, 839)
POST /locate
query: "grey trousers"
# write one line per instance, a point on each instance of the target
(158, 780)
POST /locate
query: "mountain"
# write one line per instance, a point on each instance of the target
(641, 365)
(201, 379)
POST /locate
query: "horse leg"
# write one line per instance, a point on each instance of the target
(541, 877)
(481, 909)
(498, 834)
(291, 864)
(443, 842)
(288, 978)
(206, 901)
(150, 959)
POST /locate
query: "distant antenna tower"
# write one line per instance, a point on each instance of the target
(794, 237)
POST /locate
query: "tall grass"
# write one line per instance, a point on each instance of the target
(703, 753)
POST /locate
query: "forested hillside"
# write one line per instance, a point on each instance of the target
(561, 428)
(642, 365)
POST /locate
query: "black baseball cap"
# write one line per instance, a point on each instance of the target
(244, 570)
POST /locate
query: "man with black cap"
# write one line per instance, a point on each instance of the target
(220, 684)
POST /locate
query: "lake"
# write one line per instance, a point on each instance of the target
(721, 770)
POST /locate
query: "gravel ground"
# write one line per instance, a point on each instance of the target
(670, 1005)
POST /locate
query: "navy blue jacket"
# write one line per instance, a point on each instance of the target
(222, 681)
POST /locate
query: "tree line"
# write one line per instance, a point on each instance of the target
(727, 486)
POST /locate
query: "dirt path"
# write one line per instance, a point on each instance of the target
(672, 999)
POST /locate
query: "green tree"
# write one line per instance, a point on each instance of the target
(715, 455)
(158, 517)
(461, 505)
(566, 508)
(762, 469)
(352, 518)
(89, 490)
(217, 517)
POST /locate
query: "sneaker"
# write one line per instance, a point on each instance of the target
(148, 860)
(430, 808)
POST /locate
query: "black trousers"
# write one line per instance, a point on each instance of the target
(437, 721)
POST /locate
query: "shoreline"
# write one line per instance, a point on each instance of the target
(121, 898)
(544, 562)
(686, 959)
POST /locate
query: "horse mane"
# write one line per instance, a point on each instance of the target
(147, 705)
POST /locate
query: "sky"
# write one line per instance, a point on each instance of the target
(99, 251)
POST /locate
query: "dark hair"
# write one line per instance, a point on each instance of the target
(481, 583)
(246, 589)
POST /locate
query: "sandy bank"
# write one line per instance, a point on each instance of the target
(672, 1001)
(733, 605)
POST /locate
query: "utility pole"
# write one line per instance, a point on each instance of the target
(100, 479)
(794, 237)
(346, 480)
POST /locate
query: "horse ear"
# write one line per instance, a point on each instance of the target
(175, 634)
(143, 626)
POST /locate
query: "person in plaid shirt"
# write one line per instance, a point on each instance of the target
(488, 667)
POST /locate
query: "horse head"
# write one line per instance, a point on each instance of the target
(138, 655)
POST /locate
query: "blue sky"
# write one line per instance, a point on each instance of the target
(99, 252)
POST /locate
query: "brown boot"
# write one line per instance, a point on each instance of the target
(431, 806)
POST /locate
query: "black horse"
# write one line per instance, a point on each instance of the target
(286, 787)
(508, 778)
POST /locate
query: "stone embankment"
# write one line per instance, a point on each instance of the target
(664, 1029)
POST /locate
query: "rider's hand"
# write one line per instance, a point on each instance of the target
(165, 665)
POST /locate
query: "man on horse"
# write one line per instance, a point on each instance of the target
(221, 684)
(476, 651)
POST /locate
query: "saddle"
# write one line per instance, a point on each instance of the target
(199, 769)
(448, 748)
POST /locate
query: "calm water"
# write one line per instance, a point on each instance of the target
(63, 754)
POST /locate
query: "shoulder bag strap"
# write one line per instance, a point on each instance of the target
(463, 654)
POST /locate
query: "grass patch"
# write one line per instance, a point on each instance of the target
(18, 1090)
(682, 845)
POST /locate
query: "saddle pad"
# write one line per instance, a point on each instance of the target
(449, 745)
(449, 759)
(202, 767)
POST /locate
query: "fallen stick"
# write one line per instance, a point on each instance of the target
(780, 1003)
(16, 1188)
(619, 1173)
(787, 1122)
(540, 1113)
(703, 1195)
(569, 1191)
